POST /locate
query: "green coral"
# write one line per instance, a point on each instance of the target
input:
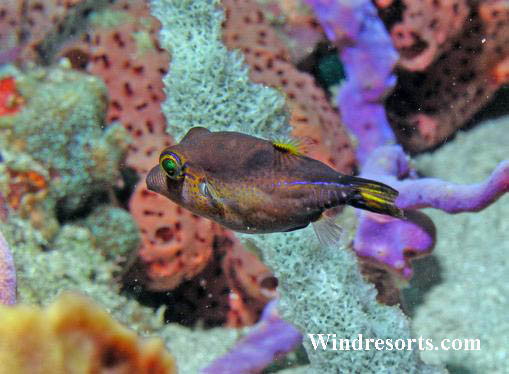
(71, 262)
(61, 129)
(322, 291)
(207, 85)
(114, 230)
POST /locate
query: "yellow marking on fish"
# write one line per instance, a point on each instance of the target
(373, 198)
(292, 146)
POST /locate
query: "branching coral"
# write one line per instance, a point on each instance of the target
(369, 58)
(394, 242)
(224, 97)
(270, 338)
(385, 240)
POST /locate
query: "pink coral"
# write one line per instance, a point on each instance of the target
(425, 29)
(295, 25)
(459, 77)
(183, 252)
(10, 12)
(128, 58)
(312, 117)
(251, 282)
(176, 244)
(27, 24)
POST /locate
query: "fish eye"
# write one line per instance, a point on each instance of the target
(170, 165)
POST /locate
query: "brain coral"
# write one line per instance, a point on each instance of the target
(75, 336)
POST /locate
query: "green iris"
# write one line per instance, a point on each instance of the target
(170, 167)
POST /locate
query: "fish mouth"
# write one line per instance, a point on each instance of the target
(156, 180)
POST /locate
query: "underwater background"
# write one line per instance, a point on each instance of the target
(100, 275)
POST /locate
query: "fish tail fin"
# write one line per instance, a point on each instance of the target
(373, 196)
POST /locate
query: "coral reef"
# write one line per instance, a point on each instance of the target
(73, 262)
(61, 144)
(123, 39)
(7, 274)
(311, 281)
(58, 132)
(73, 335)
(368, 57)
(270, 338)
(310, 278)
(104, 221)
(176, 244)
(385, 240)
(461, 52)
(224, 98)
(470, 301)
(312, 118)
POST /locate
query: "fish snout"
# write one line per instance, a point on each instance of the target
(156, 181)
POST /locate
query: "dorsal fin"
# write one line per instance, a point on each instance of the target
(289, 146)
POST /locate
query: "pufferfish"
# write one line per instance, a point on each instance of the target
(255, 186)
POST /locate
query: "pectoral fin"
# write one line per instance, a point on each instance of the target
(329, 233)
